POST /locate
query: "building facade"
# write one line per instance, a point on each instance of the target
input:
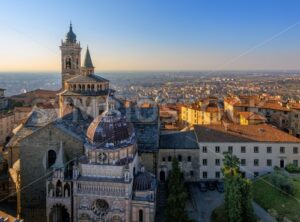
(259, 148)
(35, 148)
(184, 147)
(107, 183)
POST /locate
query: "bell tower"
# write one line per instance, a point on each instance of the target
(70, 56)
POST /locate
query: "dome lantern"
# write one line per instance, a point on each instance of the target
(71, 37)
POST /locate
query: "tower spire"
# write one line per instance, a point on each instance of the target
(88, 67)
(88, 60)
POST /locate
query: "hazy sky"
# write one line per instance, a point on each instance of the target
(153, 34)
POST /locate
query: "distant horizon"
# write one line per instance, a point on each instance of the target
(147, 71)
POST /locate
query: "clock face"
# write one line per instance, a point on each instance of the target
(102, 156)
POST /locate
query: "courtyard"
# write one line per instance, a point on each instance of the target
(201, 205)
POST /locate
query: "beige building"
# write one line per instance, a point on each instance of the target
(9, 120)
(259, 147)
(21, 114)
(295, 119)
(282, 114)
(7, 124)
(184, 147)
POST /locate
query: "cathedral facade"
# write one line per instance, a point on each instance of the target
(86, 160)
(107, 183)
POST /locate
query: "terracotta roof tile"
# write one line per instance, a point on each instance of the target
(242, 133)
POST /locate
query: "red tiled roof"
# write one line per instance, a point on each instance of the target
(252, 116)
(242, 133)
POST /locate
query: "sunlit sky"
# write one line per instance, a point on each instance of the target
(153, 34)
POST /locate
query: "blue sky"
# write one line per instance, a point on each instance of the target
(153, 34)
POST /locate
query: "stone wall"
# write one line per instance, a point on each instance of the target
(148, 161)
(189, 163)
(33, 162)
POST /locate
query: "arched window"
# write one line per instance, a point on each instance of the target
(68, 63)
(141, 215)
(58, 189)
(189, 158)
(169, 158)
(51, 157)
(67, 190)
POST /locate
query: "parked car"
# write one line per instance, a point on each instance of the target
(220, 187)
(203, 187)
(211, 185)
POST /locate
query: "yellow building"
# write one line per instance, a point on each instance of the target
(249, 118)
(191, 115)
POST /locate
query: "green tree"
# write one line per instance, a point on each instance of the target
(246, 203)
(238, 192)
(177, 195)
(230, 165)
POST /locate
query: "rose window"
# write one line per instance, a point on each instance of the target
(100, 208)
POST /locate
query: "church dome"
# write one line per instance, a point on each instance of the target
(110, 130)
(71, 37)
(143, 181)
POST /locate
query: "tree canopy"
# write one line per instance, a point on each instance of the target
(238, 192)
(177, 195)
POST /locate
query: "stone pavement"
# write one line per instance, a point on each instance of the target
(202, 204)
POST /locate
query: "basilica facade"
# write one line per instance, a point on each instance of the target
(107, 183)
(87, 159)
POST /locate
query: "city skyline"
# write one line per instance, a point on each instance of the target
(156, 35)
(149, 110)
